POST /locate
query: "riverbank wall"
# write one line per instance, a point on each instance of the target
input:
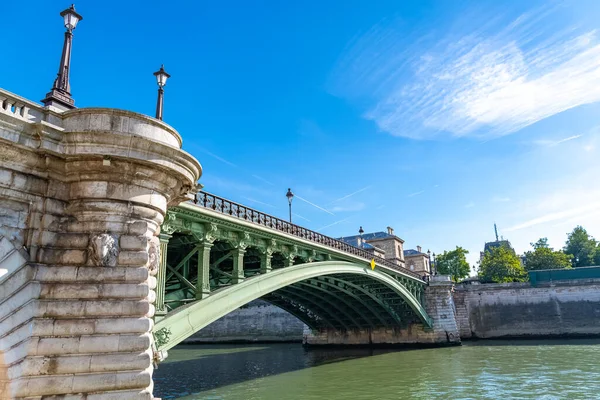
(518, 310)
(256, 322)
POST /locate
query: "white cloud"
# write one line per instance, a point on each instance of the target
(548, 142)
(556, 216)
(351, 194)
(470, 205)
(499, 199)
(353, 206)
(416, 193)
(499, 79)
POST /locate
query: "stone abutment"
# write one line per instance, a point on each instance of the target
(82, 196)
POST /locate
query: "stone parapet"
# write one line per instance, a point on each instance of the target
(82, 197)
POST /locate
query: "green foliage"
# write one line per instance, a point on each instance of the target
(453, 263)
(500, 265)
(543, 257)
(582, 246)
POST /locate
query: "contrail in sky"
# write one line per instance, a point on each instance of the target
(313, 204)
(351, 194)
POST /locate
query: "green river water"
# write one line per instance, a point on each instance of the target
(550, 369)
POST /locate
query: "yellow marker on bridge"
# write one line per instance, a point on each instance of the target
(373, 264)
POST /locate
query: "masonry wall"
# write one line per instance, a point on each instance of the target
(258, 321)
(568, 308)
(439, 305)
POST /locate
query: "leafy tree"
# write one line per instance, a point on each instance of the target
(544, 257)
(500, 264)
(453, 263)
(582, 246)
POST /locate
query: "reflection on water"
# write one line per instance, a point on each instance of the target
(552, 369)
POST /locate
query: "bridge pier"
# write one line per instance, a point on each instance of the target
(439, 305)
(83, 195)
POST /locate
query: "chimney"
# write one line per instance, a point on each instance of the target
(419, 249)
(390, 230)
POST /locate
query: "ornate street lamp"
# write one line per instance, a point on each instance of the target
(60, 94)
(161, 79)
(360, 232)
(290, 196)
(434, 264)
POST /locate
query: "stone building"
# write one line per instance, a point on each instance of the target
(417, 261)
(382, 244)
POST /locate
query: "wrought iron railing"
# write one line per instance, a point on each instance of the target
(240, 211)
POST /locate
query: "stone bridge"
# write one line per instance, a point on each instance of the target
(109, 255)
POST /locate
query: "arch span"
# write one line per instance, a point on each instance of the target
(185, 321)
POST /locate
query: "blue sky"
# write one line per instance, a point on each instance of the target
(437, 118)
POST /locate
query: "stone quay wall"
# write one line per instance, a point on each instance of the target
(512, 310)
(82, 196)
(258, 321)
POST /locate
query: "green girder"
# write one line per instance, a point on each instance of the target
(186, 320)
(340, 300)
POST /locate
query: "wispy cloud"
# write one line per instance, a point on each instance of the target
(470, 205)
(313, 204)
(351, 194)
(500, 199)
(555, 216)
(219, 158)
(301, 217)
(333, 224)
(416, 193)
(355, 206)
(258, 202)
(551, 143)
(260, 178)
(502, 76)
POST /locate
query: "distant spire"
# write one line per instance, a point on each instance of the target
(496, 231)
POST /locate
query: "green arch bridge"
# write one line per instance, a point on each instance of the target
(217, 255)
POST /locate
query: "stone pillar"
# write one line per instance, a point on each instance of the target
(161, 276)
(238, 265)
(203, 284)
(265, 262)
(439, 304)
(76, 319)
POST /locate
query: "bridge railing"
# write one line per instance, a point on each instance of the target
(240, 211)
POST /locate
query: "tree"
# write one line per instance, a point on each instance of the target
(544, 257)
(500, 264)
(582, 246)
(453, 263)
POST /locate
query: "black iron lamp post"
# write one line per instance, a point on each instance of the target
(60, 94)
(360, 232)
(290, 196)
(434, 264)
(161, 79)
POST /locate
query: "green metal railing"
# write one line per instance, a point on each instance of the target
(240, 211)
(548, 275)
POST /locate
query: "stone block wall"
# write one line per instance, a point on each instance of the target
(82, 201)
(258, 321)
(565, 308)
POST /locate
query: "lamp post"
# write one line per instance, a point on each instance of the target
(429, 256)
(161, 79)
(60, 94)
(360, 232)
(434, 263)
(290, 196)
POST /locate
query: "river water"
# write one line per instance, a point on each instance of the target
(551, 369)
